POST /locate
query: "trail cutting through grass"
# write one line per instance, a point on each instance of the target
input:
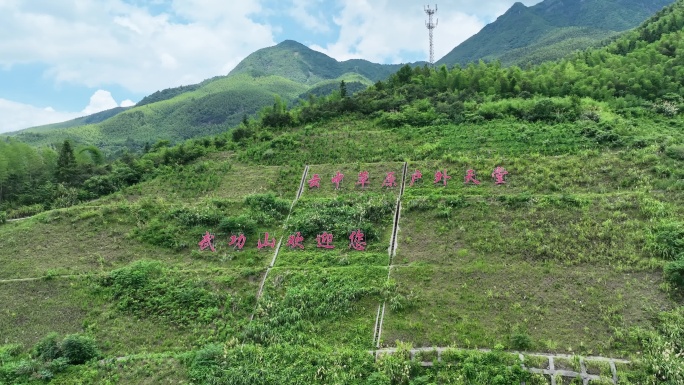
(392, 250)
(280, 241)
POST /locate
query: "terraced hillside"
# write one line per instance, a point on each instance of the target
(429, 230)
(557, 260)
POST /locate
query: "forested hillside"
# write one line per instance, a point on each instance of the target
(550, 30)
(288, 71)
(466, 225)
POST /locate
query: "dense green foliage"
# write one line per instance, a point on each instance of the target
(33, 180)
(48, 358)
(550, 30)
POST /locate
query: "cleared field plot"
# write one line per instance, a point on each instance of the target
(144, 307)
(147, 370)
(585, 172)
(523, 306)
(314, 307)
(353, 182)
(85, 239)
(220, 179)
(342, 218)
(608, 229)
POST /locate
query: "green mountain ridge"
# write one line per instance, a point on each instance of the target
(292, 72)
(297, 62)
(288, 70)
(525, 35)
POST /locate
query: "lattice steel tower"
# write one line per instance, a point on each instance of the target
(431, 25)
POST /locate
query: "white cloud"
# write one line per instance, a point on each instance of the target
(388, 30)
(100, 101)
(99, 42)
(16, 116)
(300, 12)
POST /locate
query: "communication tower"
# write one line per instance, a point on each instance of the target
(431, 25)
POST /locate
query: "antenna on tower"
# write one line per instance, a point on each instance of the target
(431, 25)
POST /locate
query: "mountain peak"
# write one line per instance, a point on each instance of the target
(517, 6)
(291, 44)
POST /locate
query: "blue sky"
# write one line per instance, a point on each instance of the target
(69, 58)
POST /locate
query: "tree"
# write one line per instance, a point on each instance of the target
(66, 163)
(343, 89)
(4, 172)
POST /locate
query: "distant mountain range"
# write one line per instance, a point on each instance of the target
(292, 71)
(551, 29)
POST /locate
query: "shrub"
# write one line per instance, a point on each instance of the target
(239, 224)
(666, 240)
(47, 348)
(520, 341)
(147, 289)
(674, 272)
(675, 152)
(58, 365)
(269, 204)
(78, 349)
(3, 217)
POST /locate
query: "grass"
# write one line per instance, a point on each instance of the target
(377, 173)
(568, 229)
(220, 178)
(482, 304)
(587, 171)
(89, 240)
(314, 306)
(534, 361)
(572, 364)
(145, 370)
(372, 213)
(598, 368)
(67, 305)
(553, 261)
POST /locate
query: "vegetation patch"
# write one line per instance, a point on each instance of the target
(522, 306)
(318, 307)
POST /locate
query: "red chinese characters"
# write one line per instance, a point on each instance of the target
(207, 242)
(441, 177)
(470, 177)
(237, 241)
(363, 178)
(499, 174)
(315, 181)
(337, 179)
(356, 240)
(390, 180)
(266, 242)
(325, 241)
(295, 241)
(416, 176)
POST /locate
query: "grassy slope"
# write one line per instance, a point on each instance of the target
(561, 215)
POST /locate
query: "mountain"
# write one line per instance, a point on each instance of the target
(299, 63)
(478, 225)
(288, 70)
(551, 29)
